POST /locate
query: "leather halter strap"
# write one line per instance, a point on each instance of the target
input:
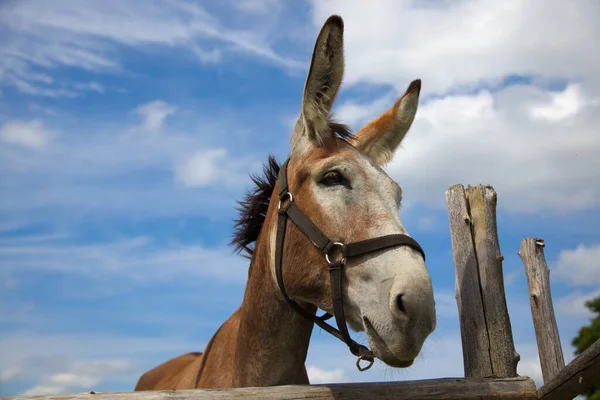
(287, 209)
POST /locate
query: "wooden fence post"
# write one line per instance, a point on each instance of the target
(486, 333)
(540, 299)
(475, 341)
(482, 206)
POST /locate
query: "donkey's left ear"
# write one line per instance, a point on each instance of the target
(380, 137)
(322, 84)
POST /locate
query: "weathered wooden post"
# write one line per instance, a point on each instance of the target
(475, 342)
(540, 299)
(482, 205)
(488, 347)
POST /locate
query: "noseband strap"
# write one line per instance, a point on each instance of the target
(336, 255)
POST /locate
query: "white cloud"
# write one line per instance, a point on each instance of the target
(38, 390)
(70, 379)
(30, 134)
(154, 113)
(490, 137)
(562, 105)
(530, 366)
(537, 147)
(62, 383)
(211, 167)
(317, 375)
(462, 44)
(580, 266)
(214, 167)
(573, 305)
(201, 169)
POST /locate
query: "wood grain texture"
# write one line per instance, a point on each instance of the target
(542, 310)
(475, 340)
(581, 373)
(482, 200)
(430, 389)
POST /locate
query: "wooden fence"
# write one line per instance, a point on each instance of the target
(490, 359)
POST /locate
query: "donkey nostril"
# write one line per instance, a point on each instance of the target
(400, 303)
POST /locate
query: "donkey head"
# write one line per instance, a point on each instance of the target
(338, 182)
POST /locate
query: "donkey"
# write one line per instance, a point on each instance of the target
(372, 276)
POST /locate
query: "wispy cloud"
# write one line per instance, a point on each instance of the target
(573, 305)
(66, 363)
(89, 86)
(206, 167)
(135, 259)
(30, 134)
(579, 266)
(154, 113)
(62, 383)
(90, 36)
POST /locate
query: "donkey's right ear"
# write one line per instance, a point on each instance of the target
(321, 86)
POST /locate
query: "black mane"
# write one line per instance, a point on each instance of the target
(253, 209)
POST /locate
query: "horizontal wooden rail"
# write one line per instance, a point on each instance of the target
(577, 376)
(430, 389)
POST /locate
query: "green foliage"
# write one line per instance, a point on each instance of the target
(586, 337)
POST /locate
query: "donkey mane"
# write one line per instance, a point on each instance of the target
(253, 208)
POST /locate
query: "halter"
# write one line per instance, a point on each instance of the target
(336, 254)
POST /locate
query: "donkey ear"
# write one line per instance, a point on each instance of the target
(380, 137)
(322, 84)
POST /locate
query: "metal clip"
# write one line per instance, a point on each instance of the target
(283, 196)
(361, 369)
(341, 246)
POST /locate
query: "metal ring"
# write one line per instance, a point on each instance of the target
(361, 369)
(283, 197)
(341, 246)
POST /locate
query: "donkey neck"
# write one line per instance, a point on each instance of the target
(272, 339)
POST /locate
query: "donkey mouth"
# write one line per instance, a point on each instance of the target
(381, 350)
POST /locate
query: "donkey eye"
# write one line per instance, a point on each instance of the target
(334, 178)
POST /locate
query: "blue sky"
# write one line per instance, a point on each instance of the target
(128, 130)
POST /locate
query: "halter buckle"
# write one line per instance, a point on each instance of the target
(333, 245)
(361, 369)
(282, 198)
